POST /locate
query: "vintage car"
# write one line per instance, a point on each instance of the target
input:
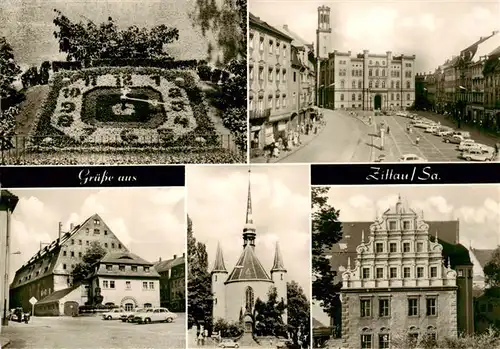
(154, 315)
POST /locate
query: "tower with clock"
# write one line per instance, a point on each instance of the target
(323, 33)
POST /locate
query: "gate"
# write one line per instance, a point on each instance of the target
(71, 308)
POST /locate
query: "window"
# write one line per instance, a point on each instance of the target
(97, 222)
(383, 307)
(64, 266)
(359, 84)
(79, 254)
(151, 285)
(397, 84)
(87, 242)
(129, 307)
(342, 83)
(376, 72)
(342, 97)
(370, 84)
(134, 268)
(148, 305)
(359, 96)
(294, 76)
(72, 253)
(121, 268)
(106, 233)
(420, 246)
(128, 285)
(79, 242)
(393, 272)
(144, 285)
(380, 273)
(392, 225)
(434, 271)
(72, 241)
(87, 230)
(383, 83)
(490, 307)
(354, 83)
(109, 267)
(431, 305)
(111, 284)
(406, 247)
(406, 272)
(460, 272)
(366, 273)
(97, 231)
(366, 341)
(392, 84)
(106, 245)
(413, 307)
(366, 308)
(379, 247)
(369, 72)
(105, 284)
(393, 247)
(270, 46)
(406, 225)
(112, 245)
(420, 272)
(383, 73)
(383, 341)
(353, 97)
(249, 299)
(64, 253)
(146, 269)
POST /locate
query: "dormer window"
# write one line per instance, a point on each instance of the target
(146, 269)
(97, 222)
(109, 267)
(121, 268)
(134, 268)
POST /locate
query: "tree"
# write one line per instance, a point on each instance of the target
(87, 41)
(299, 319)
(94, 253)
(327, 231)
(268, 315)
(492, 270)
(199, 282)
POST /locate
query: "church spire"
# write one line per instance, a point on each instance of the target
(249, 229)
(219, 266)
(278, 264)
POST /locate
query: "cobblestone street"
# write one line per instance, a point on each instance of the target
(93, 332)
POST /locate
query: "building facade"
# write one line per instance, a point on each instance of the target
(49, 270)
(269, 71)
(173, 283)
(235, 293)
(492, 90)
(126, 280)
(398, 285)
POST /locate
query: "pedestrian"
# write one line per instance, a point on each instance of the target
(388, 129)
(417, 140)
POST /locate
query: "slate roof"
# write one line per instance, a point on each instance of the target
(248, 268)
(278, 264)
(124, 258)
(317, 324)
(219, 265)
(297, 40)
(169, 264)
(254, 20)
(7, 199)
(483, 256)
(57, 295)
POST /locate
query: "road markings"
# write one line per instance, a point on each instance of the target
(404, 132)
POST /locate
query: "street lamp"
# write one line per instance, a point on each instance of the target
(462, 104)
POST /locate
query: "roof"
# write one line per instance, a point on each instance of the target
(317, 324)
(219, 261)
(487, 46)
(297, 40)
(458, 254)
(169, 264)
(482, 256)
(278, 264)
(124, 258)
(57, 295)
(254, 20)
(248, 268)
(351, 238)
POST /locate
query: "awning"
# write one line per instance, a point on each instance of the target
(255, 128)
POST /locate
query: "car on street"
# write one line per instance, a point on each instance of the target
(423, 124)
(228, 343)
(113, 314)
(128, 316)
(411, 158)
(155, 315)
(444, 131)
(467, 144)
(431, 129)
(476, 154)
(485, 148)
(453, 138)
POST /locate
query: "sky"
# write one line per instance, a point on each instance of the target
(216, 204)
(28, 27)
(432, 30)
(477, 207)
(150, 222)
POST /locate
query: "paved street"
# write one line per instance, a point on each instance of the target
(92, 332)
(344, 139)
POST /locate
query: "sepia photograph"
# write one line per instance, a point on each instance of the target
(373, 81)
(93, 268)
(406, 267)
(248, 256)
(99, 82)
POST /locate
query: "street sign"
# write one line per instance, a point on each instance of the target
(33, 300)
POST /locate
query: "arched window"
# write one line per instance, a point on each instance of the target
(392, 84)
(370, 84)
(354, 84)
(249, 299)
(408, 96)
(359, 97)
(383, 72)
(397, 96)
(342, 97)
(369, 72)
(431, 334)
(384, 338)
(383, 83)
(359, 84)
(342, 84)
(353, 97)
(392, 96)
(408, 84)
(397, 84)
(376, 72)
(376, 83)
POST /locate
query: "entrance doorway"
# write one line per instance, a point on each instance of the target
(377, 102)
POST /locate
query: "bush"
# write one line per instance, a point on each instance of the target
(204, 72)
(227, 329)
(488, 340)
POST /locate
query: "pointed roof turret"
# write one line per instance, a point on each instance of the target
(278, 264)
(219, 266)
(249, 228)
(248, 268)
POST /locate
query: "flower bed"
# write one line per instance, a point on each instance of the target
(68, 121)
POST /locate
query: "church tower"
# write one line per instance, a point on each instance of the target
(278, 275)
(323, 33)
(219, 276)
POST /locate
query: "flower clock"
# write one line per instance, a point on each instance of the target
(122, 108)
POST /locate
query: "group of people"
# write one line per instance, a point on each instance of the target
(34, 76)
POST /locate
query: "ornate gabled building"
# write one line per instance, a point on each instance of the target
(49, 270)
(234, 293)
(398, 284)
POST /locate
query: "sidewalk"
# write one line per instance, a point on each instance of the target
(305, 140)
(4, 342)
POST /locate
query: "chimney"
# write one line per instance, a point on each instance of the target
(175, 256)
(159, 259)
(71, 227)
(60, 231)
(183, 254)
(285, 26)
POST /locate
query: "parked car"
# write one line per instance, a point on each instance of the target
(113, 314)
(476, 154)
(424, 124)
(464, 134)
(467, 144)
(444, 131)
(485, 148)
(228, 343)
(155, 315)
(431, 129)
(128, 316)
(453, 138)
(411, 158)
